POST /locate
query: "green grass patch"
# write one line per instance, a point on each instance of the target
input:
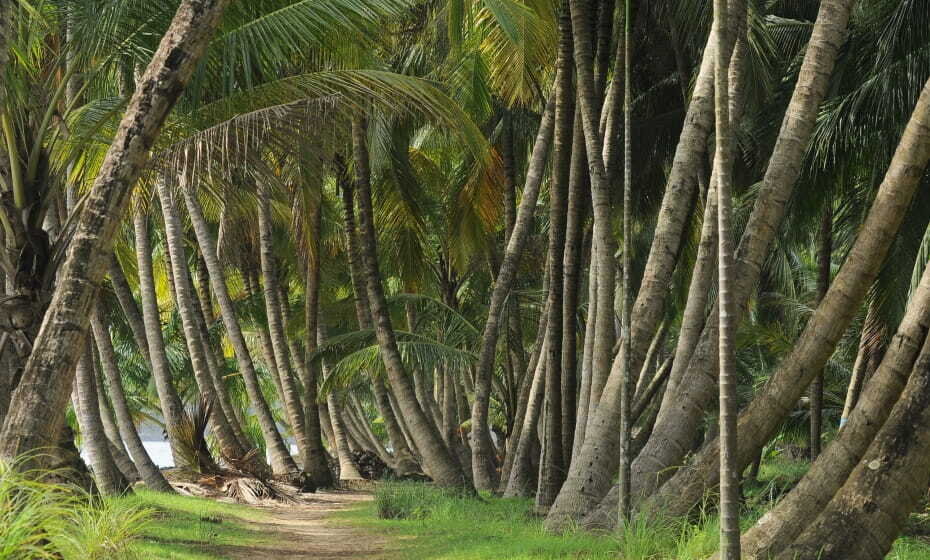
(188, 528)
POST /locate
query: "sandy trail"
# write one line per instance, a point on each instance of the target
(305, 531)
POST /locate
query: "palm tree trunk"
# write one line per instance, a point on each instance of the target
(46, 383)
(129, 307)
(824, 256)
(316, 465)
(171, 407)
(729, 474)
(520, 483)
(818, 340)
(117, 448)
(109, 479)
(272, 291)
(437, 459)
(868, 513)
(230, 445)
(872, 333)
(677, 427)
(281, 460)
(403, 457)
(150, 473)
(554, 464)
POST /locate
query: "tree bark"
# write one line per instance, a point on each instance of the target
(281, 461)
(109, 479)
(824, 255)
(818, 340)
(150, 473)
(48, 375)
(443, 468)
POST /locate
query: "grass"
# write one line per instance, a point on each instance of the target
(188, 528)
(429, 523)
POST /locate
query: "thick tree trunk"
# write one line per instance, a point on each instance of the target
(150, 473)
(281, 461)
(868, 513)
(818, 340)
(443, 468)
(36, 408)
(109, 479)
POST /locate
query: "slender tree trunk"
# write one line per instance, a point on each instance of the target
(443, 468)
(150, 473)
(824, 256)
(818, 340)
(281, 461)
(117, 448)
(482, 449)
(554, 464)
(521, 473)
(316, 464)
(109, 479)
(404, 461)
(272, 290)
(171, 407)
(584, 400)
(36, 408)
(129, 307)
(230, 445)
(729, 474)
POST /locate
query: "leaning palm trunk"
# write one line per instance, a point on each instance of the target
(108, 418)
(404, 462)
(272, 291)
(678, 425)
(150, 473)
(109, 479)
(281, 460)
(442, 466)
(593, 468)
(35, 411)
(482, 448)
(196, 345)
(868, 513)
(520, 483)
(761, 418)
(171, 407)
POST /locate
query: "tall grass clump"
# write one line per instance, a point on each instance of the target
(40, 520)
(411, 500)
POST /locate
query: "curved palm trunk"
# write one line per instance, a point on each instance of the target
(443, 468)
(117, 447)
(520, 483)
(818, 340)
(171, 407)
(677, 426)
(482, 449)
(230, 445)
(272, 292)
(150, 473)
(46, 383)
(868, 513)
(404, 461)
(109, 479)
(281, 461)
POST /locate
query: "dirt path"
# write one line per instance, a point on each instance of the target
(305, 531)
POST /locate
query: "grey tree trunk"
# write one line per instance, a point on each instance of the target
(150, 473)
(443, 468)
(281, 461)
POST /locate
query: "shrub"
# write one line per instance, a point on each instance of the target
(43, 520)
